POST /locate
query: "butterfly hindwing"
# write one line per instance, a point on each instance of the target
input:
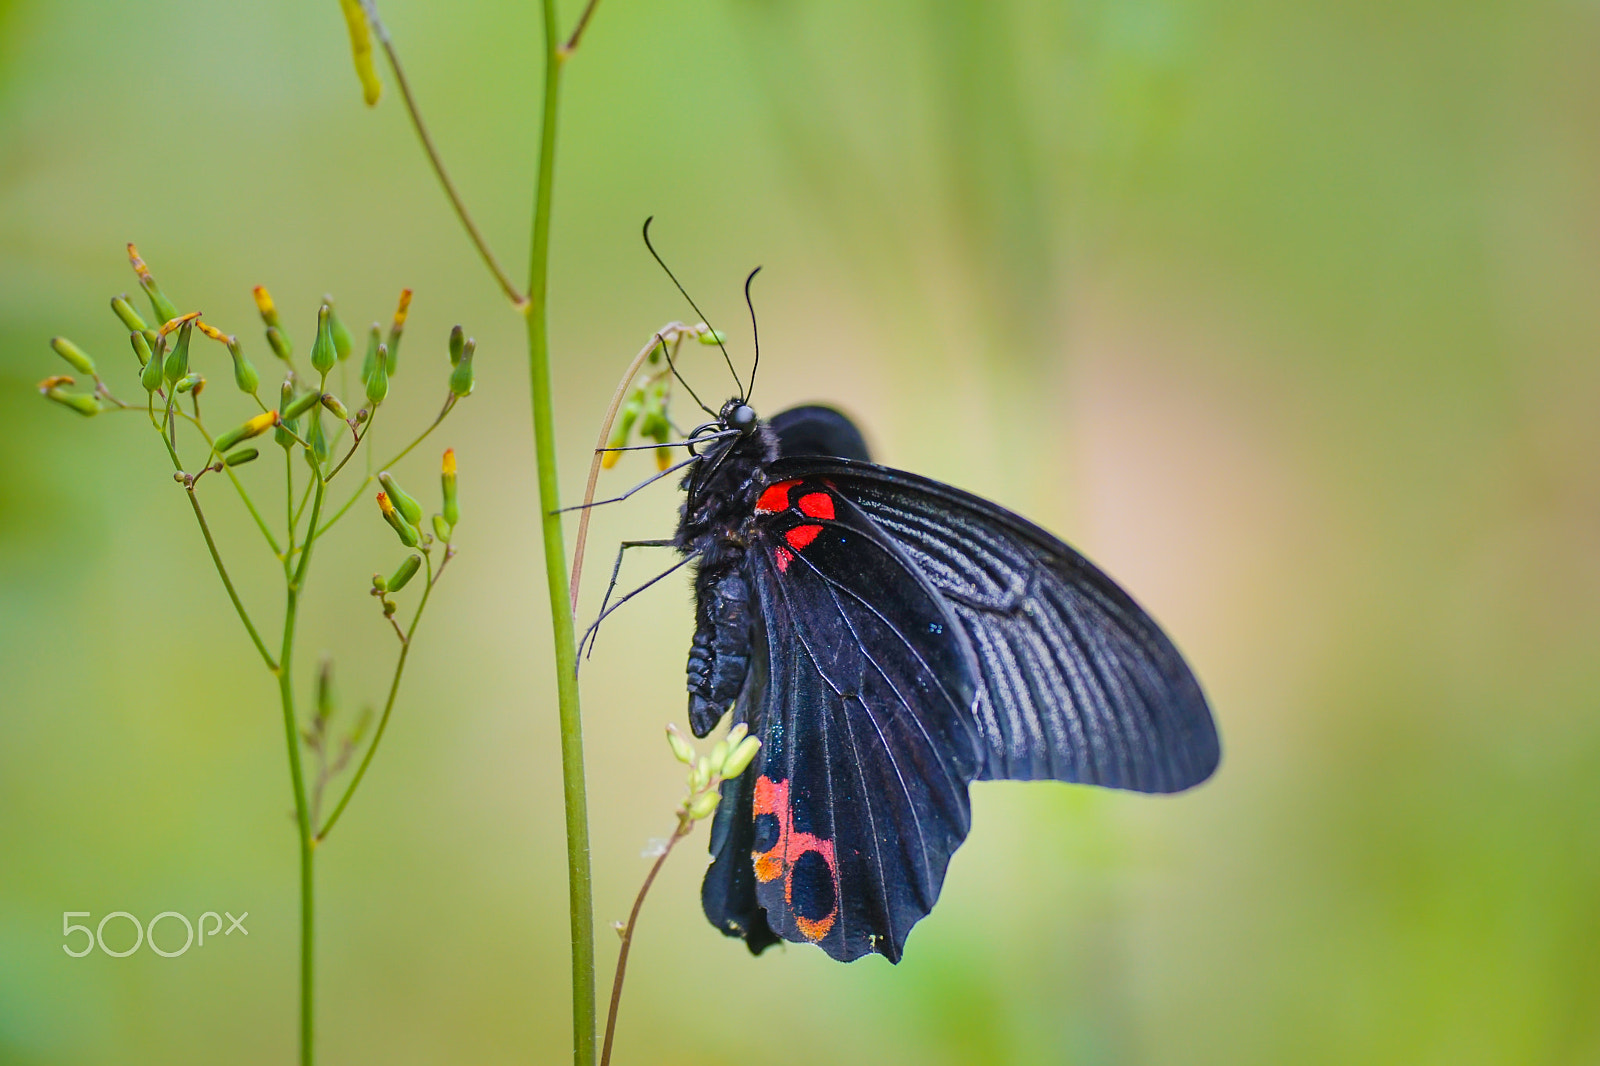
(1078, 682)
(859, 796)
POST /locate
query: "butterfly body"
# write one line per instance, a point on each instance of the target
(891, 639)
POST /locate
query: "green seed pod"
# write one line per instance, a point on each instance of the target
(177, 364)
(279, 344)
(342, 344)
(409, 507)
(374, 338)
(406, 531)
(141, 347)
(152, 377)
(83, 403)
(124, 310)
(713, 336)
(704, 805)
(447, 485)
(319, 439)
(681, 749)
(408, 570)
(335, 407)
(378, 382)
(301, 404)
(461, 377)
(323, 353)
(458, 338)
(740, 758)
(286, 424)
(73, 354)
(253, 428)
(242, 456)
(441, 528)
(245, 374)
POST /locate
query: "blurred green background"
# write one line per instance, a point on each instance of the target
(1284, 313)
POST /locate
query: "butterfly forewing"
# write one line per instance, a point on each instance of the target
(1078, 683)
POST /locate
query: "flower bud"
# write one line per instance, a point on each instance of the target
(188, 383)
(319, 439)
(152, 377)
(286, 426)
(124, 310)
(397, 327)
(245, 374)
(681, 749)
(704, 805)
(355, 20)
(264, 304)
(458, 338)
(403, 500)
(279, 344)
(326, 699)
(177, 364)
(461, 377)
(253, 428)
(323, 353)
(447, 483)
(740, 758)
(141, 347)
(335, 407)
(81, 402)
(342, 345)
(700, 774)
(378, 382)
(408, 570)
(737, 732)
(163, 307)
(708, 335)
(242, 456)
(301, 404)
(408, 533)
(380, 583)
(74, 355)
(441, 528)
(719, 755)
(374, 338)
(624, 427)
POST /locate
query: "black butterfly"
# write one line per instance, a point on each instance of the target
(891, 639)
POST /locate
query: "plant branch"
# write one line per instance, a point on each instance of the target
(517, 299)
(685, 826)
(577, 31)
(394, 690)
(227, 583)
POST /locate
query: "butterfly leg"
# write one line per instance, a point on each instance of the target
(592, 633)
(651, 480)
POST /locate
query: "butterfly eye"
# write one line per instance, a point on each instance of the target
(743, 417)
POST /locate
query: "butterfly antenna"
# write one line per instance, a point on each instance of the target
(726, 357)
(755, 334)
(666, 350)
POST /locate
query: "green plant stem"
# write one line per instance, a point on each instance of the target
(302, 811)
(449, 406)
(394, 690)
(536, 311)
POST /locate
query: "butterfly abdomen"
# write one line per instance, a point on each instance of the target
(719, 657)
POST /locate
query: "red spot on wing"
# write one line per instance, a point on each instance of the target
(776, 497)
(816, 505)
(772, 797)
(800, 537)
(784, 557)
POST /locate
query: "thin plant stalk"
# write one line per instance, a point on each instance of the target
(536, 311)
(685, 826)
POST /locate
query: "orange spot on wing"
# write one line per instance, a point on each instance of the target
(816, 505)
(775, 498)
(800, 537)
(816, 930)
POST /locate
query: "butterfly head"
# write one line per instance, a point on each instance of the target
(736, 414)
